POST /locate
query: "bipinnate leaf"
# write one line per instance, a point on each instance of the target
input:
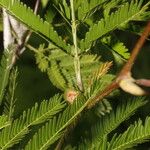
(127, 12)
(34, 116)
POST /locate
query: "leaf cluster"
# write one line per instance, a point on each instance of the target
(48, 124)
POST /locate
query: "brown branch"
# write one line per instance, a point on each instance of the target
(37, 4)
(128, 66)
(126, 70)
(112, 86)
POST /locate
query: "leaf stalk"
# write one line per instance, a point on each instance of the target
(76, 55)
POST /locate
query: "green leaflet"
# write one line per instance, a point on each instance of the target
(116, 19)
(136, 133)
(4, 121)
(9, 100)
(102, 108)
(42, 139)
(62, 74)
(114, 44)
(34, 116)
(56, 126)
(56, 76)
(86, 7)
(16, 130)
(5, 66)
(110, 122)
(65, 9)
(25, 15)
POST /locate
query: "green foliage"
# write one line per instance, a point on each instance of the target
(55, 127)
(34, 116)
(4, 121)
(110, 122)
(116, 19)
(9, 103)
(103, 108)
(48, 124)
(55, 76)
(25, 14)
(70, 115)
(86, 7)
(65, 9)
(5, 67)
(62, 74)
(114, 119)
(117, 46)
(135, 134)
(138, 134)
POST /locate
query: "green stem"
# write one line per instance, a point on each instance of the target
(31, 48)
(76, 56)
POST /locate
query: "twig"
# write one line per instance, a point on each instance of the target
(126, 70)
(128, 66)
(114, 85)
(36, 7)
(31, 48)
(28, 33)
(76, 56)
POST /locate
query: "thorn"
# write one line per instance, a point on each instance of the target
(143, 82)
(128, 85)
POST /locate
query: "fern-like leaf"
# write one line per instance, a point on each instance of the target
(110, 122)
(95, 87)
(55, 76)
(60, 72)
(37, 114)
(87, 7)
(44, 137)
(55, 127)
(16, 132)
(25, 15)
(4, 121)
(65, 10)
(9, 102)
(123, 15)
(135, 134)
(4, 71)
(60, 123)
